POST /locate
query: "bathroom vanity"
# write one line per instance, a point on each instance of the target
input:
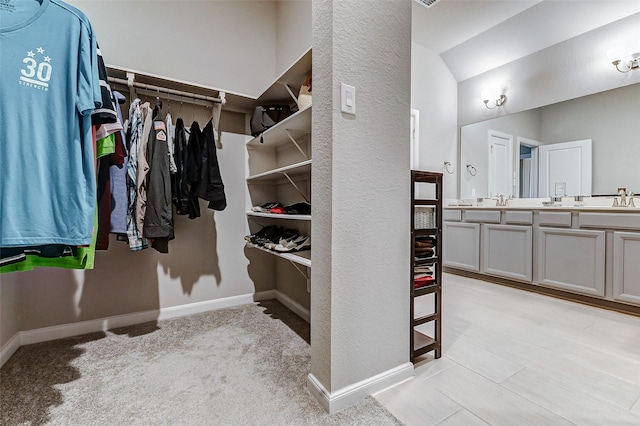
(589, 251)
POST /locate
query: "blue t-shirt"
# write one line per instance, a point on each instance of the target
(48, 88)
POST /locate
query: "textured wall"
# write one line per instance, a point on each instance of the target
(361, 190)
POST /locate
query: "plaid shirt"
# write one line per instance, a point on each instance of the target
(136, 241)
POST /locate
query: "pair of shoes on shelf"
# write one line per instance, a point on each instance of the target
(266, 207)
(298, 208)
(265, 235)
(303, 208)
(280, 239)
(301, 242)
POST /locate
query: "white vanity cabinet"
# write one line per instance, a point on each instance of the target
(572, 259)
(507, 251)
(461, 245)
(581, 251)
(626, 267)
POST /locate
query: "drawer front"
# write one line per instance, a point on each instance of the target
(524, 218)
(555, 219)
(485, 216)
(609, 220)
(452, 215)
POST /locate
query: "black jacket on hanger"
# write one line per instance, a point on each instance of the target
(179, 188)
(193, 165)
(210, 186)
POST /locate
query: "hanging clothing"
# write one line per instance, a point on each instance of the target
(136, 242)
(107, 112)
(50, 87)
(118, 175)
(210, 186)
(179, 188)
(171, 143)
(193, 166)
(158, 219)
(143, 167)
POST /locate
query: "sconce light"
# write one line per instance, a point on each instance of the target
(615, 55)
(489, 97)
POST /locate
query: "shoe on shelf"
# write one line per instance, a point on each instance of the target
(303, 208)
(277, 210)
(299, 244)
(265, 207)
(265, 235)
(284, 236)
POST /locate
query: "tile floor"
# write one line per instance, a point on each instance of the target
(512, 357)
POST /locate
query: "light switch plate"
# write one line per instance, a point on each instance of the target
(348, 98)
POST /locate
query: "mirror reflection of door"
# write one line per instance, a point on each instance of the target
(500, 164)
(568, 163)
(527, 167)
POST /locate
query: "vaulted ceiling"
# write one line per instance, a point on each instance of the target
(474, 36)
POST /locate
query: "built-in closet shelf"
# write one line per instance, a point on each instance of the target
(293, 77)
(280, 216)
(300, 257)
(294, 126)
(302, 168)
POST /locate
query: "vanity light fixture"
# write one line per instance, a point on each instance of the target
(615, 55)
(493, 98)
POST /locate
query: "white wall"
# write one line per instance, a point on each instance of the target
(610, 119)
(223, 44)
(434, 94)
(293, 32)
(360, 298)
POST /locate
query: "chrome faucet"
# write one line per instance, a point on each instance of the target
(501, 201)
(623, 196)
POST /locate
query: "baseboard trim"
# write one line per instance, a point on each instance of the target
(349, 395)
(294, 306)
(9, 348)
(45, 334)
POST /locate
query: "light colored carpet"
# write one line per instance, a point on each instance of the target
(238, 366)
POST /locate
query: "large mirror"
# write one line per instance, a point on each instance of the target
(607, 122)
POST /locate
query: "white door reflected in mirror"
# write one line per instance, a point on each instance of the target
(565, 167)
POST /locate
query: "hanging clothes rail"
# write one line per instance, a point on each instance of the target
(220, 100)
(152, 89)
